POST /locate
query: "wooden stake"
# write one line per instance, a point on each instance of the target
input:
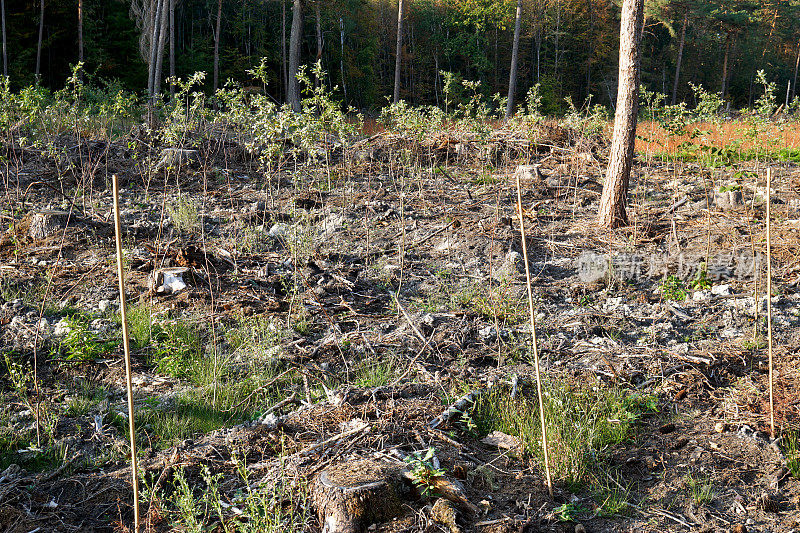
(123, 317)
(769, 310)
(533, 335)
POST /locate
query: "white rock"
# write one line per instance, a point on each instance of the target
(62, 328)
(103, 305)
(721, 290)
(701, 296)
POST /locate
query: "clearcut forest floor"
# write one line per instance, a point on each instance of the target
(373, 292)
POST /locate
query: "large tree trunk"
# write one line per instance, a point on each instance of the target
(172, 47)
(318, 28)
(398, 52)
(681, 42)
(80, 31)
(294, 55)
(612, 212)
(5, 53)
(37, 73)
(216, 44)
(512, 79)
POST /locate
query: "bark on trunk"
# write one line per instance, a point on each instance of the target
(612, 211)
(794, 81)
(284, 71)
(37, 73)
(294, 55)
(216, 44)
(172, 47)
(341, 58)
(5, 53)
(398, 52)
(162, 36)
(512, 80)
(725, 65)
(151, 66)
(318, 28)
(80, 31)
(681, 42)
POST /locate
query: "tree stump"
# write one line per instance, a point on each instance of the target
(352, 495)
(177, 158)
(47, 222)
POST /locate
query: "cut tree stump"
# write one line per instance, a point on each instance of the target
(177, 158)
(48, 222)
(349, 496)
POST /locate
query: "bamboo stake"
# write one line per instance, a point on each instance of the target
(769, 310)
(129, 384)
(533, 335)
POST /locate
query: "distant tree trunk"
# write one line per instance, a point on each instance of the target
(172, 47)
(612, 212)
(725, 65)
(399, 52)
(217, 35)
(590, 44)
(794, 83)
(80, 31)
(5, 54)
(37, 73)
(162, 36)
(681, 42)
(341, 58)
(294, 55)
(318, 28)
(512, 80)
(284, 72)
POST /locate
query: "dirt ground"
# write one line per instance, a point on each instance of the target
(343, 243)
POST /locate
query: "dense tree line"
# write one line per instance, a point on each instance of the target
(568, 46)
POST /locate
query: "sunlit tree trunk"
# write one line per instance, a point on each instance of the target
(399, 52)
(512, 80)
(217, 36)
(156, 28)
(725, 65)
(38, 72)
(3, 22)
(678, 60)
(612, 212)
(294, 55)
(794, 82)
(318, 28)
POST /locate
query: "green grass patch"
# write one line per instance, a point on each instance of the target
(582, 424)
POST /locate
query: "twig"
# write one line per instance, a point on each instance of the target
(125, 341)
(769, 312)
(314, 447)
(533, 335)
(262, 387)
(408, 318)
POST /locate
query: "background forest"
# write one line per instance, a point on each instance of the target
(568, 46)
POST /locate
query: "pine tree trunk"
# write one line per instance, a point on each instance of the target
(162, 37)
(284, 70)
(172, 47)
(37, 73)
(512, 80)
(3, 21)
(794, 82)
(398, 52)
(681, 42)
(612, 212)
(318, 28)
(341, 58)
(151, 67)
(294, 55)
(80, 31)
(725, 65)
(217, 37)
